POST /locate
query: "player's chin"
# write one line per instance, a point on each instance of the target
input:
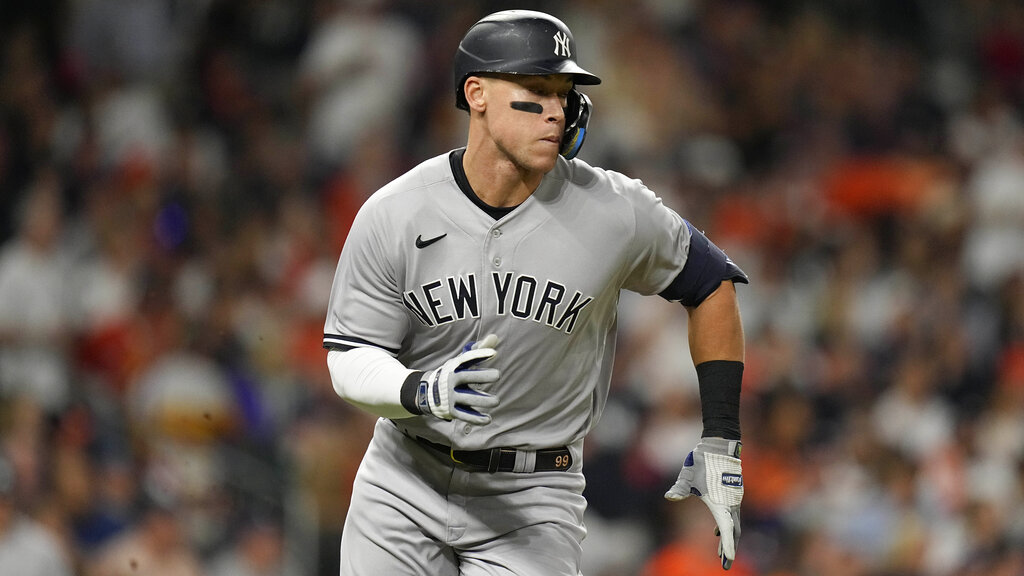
(546, 155)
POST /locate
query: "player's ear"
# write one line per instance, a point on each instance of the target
(474, 89)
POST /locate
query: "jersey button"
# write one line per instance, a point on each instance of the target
(497, 262)
(496, 233)
(467, 428)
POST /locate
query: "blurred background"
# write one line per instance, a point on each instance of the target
(177, 178)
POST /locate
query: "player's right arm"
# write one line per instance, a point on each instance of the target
(370, 379)
(367, 321)
(374, 381)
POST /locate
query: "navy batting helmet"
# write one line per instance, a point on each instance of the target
(526, 42)
(517, 42)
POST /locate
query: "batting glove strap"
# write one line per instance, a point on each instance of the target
(432, 395)
(723, 479)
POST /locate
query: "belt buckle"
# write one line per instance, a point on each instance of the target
(494, 460)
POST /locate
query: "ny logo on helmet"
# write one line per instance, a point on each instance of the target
(562, 44)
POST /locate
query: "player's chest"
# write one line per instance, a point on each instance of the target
(542, 270)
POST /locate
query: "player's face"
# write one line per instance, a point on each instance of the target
(526, 119)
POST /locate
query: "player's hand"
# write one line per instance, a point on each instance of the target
(713, 473)
(446, 392)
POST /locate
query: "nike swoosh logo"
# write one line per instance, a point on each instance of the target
(421, 243)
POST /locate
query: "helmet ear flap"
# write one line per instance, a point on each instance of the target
(577, 116)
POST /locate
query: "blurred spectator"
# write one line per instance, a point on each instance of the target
(909, 416)
(183, 409)
(34, 300)
(111, 508)
(325, 447)
(359, 72)
(690, 552)
(778, 457)
(26, 546)
(1000, 436)
(994, 246)
(127, 40)
(257, 551)
(155, 546)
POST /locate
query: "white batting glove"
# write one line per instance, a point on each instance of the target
(713, 473)
(445, 392)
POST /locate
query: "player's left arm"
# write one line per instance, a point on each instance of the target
(716, 331)
(705, 285)
(712, 471)
(717, 348)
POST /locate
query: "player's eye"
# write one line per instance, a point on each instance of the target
(563, 97)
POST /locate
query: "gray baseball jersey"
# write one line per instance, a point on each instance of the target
(425, 270)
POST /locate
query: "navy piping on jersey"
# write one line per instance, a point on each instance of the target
(345, 343)
(455, 159)
(706, 267)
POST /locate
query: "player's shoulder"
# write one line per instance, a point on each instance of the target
(430, 172)
(602, 181)
(408, 189)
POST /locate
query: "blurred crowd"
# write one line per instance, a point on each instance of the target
(177, 178)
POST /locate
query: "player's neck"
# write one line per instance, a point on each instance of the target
(497, 180)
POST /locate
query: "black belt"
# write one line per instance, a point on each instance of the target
(504, 459)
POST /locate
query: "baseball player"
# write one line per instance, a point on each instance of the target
(474, 310)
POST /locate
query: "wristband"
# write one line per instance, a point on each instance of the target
(720, 382)
(409, 390)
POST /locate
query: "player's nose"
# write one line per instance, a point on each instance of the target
(553, 109)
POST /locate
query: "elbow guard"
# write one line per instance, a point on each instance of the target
(706, 267)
